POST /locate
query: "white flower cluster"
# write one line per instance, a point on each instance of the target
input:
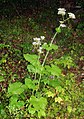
(71, 15)
(37, 43)
(62, 11)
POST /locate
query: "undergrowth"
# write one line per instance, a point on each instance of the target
(38, 75)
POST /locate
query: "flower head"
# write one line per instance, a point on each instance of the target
(62, 25)
(62, 11)
(71, 15)
(36, 39)
(42, 37)
(34, 43)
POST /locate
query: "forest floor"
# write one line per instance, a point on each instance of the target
(16, 37)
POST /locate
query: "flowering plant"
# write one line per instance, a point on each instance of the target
(46, 91)
(41, 69)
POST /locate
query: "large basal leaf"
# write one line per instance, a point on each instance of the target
(15, 88)
(39, 105)
(13, 106)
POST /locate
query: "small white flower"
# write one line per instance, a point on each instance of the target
(36, 39)
(42, 37)
(34, 43)
(61, 22)
(62, 11)
(40, 50)
(62, 25)
(71, 15)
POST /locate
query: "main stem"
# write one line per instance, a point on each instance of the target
(47, 55)
(48, 50)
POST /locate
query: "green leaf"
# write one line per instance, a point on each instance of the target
(46, 81)
(3, 45)
(31, 68)
(35, 69)
(31, 84)
(54, 83)
(50, 47)
(53, 47)
(39, 105)
(13, 99)
(15, 88)
(59, 89)
(15, 104)
(58, 99)
(42, 102)
(58, 29)
(31, 109)
(20, 104)
(1, 78)
(33, 59)
(69, 108)
(54, 70)
(41, 113)
(45, 46)
(50, 94)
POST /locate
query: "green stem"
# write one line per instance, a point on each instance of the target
(36, 68)
(66, 19)
(46, 56)
(48, 50)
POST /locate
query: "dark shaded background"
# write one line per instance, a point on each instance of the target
(10, 8)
